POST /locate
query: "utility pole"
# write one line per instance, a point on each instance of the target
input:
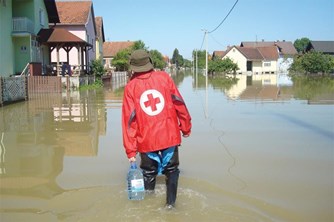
(206, 56)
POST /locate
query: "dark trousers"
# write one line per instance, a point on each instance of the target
(171, 171)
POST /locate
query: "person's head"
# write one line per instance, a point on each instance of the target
(140, 61)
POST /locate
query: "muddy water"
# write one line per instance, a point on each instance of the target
(254, 155)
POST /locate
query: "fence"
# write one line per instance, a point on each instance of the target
(119, 79)
(44, 84)
(13, 89)
(19, 88)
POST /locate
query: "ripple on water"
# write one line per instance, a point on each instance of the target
(197, 201)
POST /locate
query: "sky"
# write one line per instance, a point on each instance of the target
(179, 24)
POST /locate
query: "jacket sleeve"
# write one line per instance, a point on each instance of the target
(181, 110)
(129, 125)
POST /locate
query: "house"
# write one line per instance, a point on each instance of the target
(286, 51)
(20, 22)
(326, 47)
(254, 60)
(110, 49)
(77, 17)
(99, 37)
(218, 54)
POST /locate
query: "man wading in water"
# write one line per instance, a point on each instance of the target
(153, 117)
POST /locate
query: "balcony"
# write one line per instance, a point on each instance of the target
(22, 25)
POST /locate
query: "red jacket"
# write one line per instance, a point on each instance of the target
(153, 113)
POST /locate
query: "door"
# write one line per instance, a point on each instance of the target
(249, 65)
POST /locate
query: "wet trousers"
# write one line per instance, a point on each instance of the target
(171, 172)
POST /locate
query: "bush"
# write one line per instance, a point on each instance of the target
(313, 63)
(97, 68)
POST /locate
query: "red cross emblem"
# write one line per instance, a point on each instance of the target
(152, 102)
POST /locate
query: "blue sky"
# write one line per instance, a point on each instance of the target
(166, 25)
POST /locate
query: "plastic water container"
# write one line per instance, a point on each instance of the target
(136, 189)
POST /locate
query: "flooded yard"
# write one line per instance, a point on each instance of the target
(257, 152)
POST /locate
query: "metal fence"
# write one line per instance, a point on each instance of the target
(19, 88)
(44, 84)
(13, 89)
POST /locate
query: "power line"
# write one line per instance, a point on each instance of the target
(225, 17)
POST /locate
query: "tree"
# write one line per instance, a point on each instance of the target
(200, 58)
(157, 59)
(187, 63)
(218, 65)
(301, 44)
(97, 68)
(121, 60)
(177, 59)
(139, 45)
(313, 62)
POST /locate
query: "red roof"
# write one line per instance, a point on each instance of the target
(285, 47)
(259, 53)
(110, 49)
(59, 35)
(74, 12)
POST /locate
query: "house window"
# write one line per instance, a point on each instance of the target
(266, 64)
(41, 17)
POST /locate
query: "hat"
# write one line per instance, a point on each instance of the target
(140, 61)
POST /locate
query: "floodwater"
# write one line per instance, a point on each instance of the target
(258, 152)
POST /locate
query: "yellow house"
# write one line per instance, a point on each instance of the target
(259, 60)
(99, 37)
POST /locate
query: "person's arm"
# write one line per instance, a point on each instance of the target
(181, 110)
(129, 126)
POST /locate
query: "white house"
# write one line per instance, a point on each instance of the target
(286, 52)
(258, 60)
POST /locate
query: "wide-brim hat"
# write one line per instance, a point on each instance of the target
(140, 61)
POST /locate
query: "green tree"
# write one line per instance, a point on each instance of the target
(177, 59)
(97, 68)
(187, 63)
(139, 45)
(312, 63)
(121, 60)
(200, 58)
(225, 66)
(301, 44)
(157, 59)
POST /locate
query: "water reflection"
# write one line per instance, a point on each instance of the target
(269, 87)
(35, 137)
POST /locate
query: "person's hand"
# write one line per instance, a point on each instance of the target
(186, 135)
(132, 159)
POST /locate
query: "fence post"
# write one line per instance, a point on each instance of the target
(1, 99)
(26, 87)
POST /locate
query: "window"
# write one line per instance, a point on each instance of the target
(266, 64)
(41, 17)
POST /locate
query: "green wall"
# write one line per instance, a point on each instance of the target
(6, 44)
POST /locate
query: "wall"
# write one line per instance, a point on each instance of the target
(6, 45)
(238, 58)
(91, 36)
(21, 53)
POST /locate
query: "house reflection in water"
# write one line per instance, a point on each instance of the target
(37, 134)
(260, 87)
